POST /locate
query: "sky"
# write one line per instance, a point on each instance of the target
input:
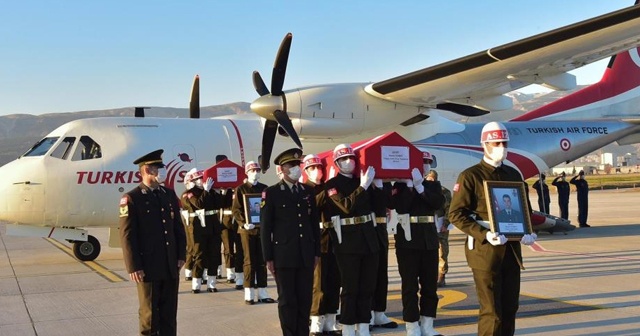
(78, 55)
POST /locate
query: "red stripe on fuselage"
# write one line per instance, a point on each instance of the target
(239, 141)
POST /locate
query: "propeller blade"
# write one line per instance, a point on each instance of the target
(268, 138)
(194, 103)
(259, 85)
(285, 123)
(280, 66)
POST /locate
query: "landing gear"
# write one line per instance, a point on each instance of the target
(86, 250)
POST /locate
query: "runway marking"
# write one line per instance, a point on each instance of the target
(101, 270)
(539, 248)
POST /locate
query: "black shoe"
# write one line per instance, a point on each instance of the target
(188, 278)
(267, 300)
(212, 290)
(390, 325)
(249, 302)
(204, 281)
(585, 225)
(239, 287)
(195, 291)
(231, 280)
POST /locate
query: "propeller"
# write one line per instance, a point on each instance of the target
(272, 105)
(194, 103)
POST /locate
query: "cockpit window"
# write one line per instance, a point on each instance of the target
(64, 148)
(87, 149)
(42, 147)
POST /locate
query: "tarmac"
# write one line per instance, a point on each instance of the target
(583, 283)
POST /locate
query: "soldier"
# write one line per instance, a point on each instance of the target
(255, 270)
(544, 201)
(326, 278)
(153, 246)
(416, 201)
(291, 242)
(563, 187)
(354, 239)
(495, 262)
(231, 243)
(582, 191)
(201, 208)
(442, 225)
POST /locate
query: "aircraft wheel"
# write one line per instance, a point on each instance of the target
(87, 250)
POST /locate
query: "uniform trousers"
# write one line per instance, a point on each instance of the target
(358, 278)
(564, 209)
(295, 286)
(326, 286)
(232, 250)
(158, 306)
(498, 295)
(379, 303)
(583, 210)
(205, 254)
(443, 252)
(188, 264)
(419, 273)
(254, 267)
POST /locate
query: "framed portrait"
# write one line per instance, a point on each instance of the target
(252, 208)
(509, 212)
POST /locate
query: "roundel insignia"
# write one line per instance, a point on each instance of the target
(565, 144)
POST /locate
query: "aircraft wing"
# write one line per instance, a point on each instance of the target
(477, 82)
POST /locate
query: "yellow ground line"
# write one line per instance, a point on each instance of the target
(101, 270)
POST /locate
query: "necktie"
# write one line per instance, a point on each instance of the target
(295, 189)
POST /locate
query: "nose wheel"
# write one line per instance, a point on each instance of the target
(86, 250)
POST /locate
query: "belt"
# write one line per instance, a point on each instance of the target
(381, 220)
(227, 212)
(355, 220)
(326, 225)
(422, 219)
(206, 213)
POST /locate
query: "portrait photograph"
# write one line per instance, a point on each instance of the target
(252, 208)
(509, 211)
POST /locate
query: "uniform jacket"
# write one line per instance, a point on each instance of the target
(238, 205)
(346, 198)
(563, 189)
(514, 217)
(407, 200)
(543, 191)
(290, 234)
(468, 200)
(582, 187)
(381, 199)
(199, 199)
(151, 232)
(226, 196)
(321, 197)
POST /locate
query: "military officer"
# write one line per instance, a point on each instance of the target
(562, 185)
(442, 224)
(354, 239)
(326, 278)
(291, 242)
(204, 227)
(542, 189)
(255, 270)
(153, 246)
(416, 201)
(582, 192)
(494, 261)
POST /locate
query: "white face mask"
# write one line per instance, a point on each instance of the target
(315, 175)
(253, 176)
(189, 185)
(162, 175)
(347, 166)
(294, 173)
(198, 183)
(427, 168)
(498, 154)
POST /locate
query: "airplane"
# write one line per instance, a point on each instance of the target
(73, 177)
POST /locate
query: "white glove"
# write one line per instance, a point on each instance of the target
(207, 185)
(408, 182)
(366, 177)
(496, 239)
(529, 239)
(249, 226)
(377, 183)
(416, 176)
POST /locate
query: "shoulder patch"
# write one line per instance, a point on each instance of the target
(456, 187)
(124, 200)
(332, 192)
(264, 195)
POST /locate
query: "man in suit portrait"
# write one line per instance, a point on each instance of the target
(508, 214)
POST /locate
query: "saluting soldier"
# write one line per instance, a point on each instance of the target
(326, 275)
(564, 189)
(291, 242)
(416, 201)
(201, 207)
(350, 206)
(255, 269)
(153, 246)
(494, 261)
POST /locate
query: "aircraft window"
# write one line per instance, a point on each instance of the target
(87, 149)
(64, 148)
(42, 147)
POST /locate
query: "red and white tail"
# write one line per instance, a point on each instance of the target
(616, 95)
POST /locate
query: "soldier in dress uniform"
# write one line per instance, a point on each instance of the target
(153, 246)
(582, 192)
(495, 262)
(291, 242)
(544, 201)
(255, 269)
(231, 244)
(416, 201)
(326, 276)
(354, 238)
(442, 224)
(201, 207)
(564, 189)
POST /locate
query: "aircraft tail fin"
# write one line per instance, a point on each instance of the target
(616, 95)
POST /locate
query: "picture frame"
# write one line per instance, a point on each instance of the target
(252, 208)
(509, 212)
